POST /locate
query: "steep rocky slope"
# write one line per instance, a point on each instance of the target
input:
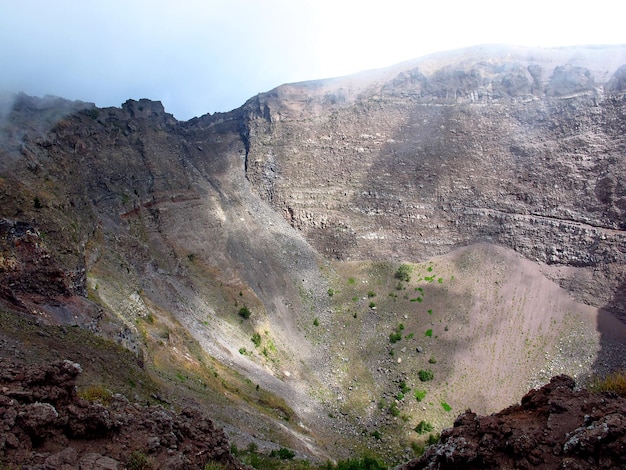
(248, 259)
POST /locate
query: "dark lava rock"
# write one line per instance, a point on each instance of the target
(553, 427)
(45, 424)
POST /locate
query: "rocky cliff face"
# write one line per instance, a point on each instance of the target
(522, 148)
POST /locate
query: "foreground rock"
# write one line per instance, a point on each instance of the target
(46, 425)
(554, 427)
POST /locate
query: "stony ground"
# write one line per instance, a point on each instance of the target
(45, 424)
(553, 427)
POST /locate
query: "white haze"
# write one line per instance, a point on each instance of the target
(206, 56)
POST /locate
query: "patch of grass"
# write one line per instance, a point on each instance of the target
(432, 360)
(433, 439)
(445, 406)
(428, 333)
(423, 427)
(256, 339)
(372, 304)
(96, 393)
(404, 388)
(351, 281)
(614, 382)
(420, 394)
(316, 322)
(137, 461)
(371, 294)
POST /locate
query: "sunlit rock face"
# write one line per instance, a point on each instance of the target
(519, 147)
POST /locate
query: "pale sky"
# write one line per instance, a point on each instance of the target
(206, 56)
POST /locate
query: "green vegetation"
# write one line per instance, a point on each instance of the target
(428, 333)
(404, 388)
(404, 272)
(256, 339)
(364, 463)
(351, 281)
(614, 382)
(137, 461)
(432, 360)
(423, 427)
(244, 312)
(331, 292)
(283, 453)
(397, 334)
(445, 406)
(316, 322)
(420, 395)
(96, 393)
(372, 304)
(433, 439)
(371, 294)
(37, 203)
(425, 375)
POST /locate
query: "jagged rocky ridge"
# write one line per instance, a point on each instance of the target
(553, 427)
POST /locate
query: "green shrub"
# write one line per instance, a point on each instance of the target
(433, 439)
(256, 339)
(404, 272)
(371, 294)
(283, 453)
(316, 322)
(331, 292)
(428, 333)
(395, 337)
(351, 280)
(420, 395)
(404, 388)
(423, 427)
(372, 305)
(445, 406)
(244, 312)
(425, 375)
(432, 360)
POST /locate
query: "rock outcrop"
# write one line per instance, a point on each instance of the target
(45, 424)
(553, 427)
